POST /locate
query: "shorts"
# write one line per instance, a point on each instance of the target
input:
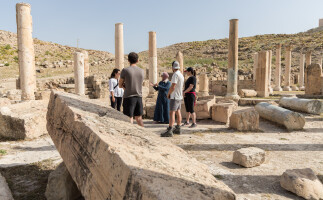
(132, 106)
(175, 105)
(189, 100)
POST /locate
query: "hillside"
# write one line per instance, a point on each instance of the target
(213, 53)
(51, 59)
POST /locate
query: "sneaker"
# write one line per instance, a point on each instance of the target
(193, 125)
(168, 133)
(185, 124)
(177, 130)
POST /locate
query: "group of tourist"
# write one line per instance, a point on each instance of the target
(126, 88)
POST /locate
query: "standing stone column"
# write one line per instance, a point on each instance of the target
(288, 63)
(321, 60)
(308, 62)
(180, 59)
(86, 63)
(119, 47)
(278, 68)
(301, 72)
(152, 60)
(255, 65)
(270, 54)
(262, 74)
(79, 73)
(26, 53)
(232, 86)
(203, 85)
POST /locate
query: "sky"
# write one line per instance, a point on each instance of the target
(92, 22)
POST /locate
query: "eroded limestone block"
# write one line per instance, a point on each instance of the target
(14, 95)
(5, 193)
(313, 79)
(302, 182)
(109, 158)
(247, 93)
(222, 112)
(4, 102)
(249, 157)
(61, 185)
(150, 110)
(304, 105)
(203, 108)
(245, 120)
(23, 120)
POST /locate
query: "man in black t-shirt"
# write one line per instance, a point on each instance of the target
(190, 97)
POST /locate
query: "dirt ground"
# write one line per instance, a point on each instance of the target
(213, 144)
(27, 164)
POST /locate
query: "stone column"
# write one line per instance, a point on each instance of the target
(152, 60)
(278, 68)
(26, 54)
(180, 59)
(232, 86)
(255, 65)
(79, 73)
(262, 74)
(301, 72)
(308, 62)
(203, 85)
(86, 63)
(119, 47)
(288, 62)
(270, 57)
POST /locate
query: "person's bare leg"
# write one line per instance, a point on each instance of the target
(188, 115)
(194, 117)
(139, 121)
(171, 118)
(179, 117)
(131, 120)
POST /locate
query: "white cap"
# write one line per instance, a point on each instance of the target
(176, 65)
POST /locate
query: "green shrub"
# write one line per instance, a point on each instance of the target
(7, 64)
(7, 47)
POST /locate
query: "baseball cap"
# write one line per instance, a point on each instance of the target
(189, 69)
(175, 65)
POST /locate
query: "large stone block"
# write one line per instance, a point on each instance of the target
(245, 120)
(249, 157)
(61, 185)
(5, 193)
(302, 182)
(247, 93)
(150, 110)
(222, 112)
(313, 79)
(4, 102)
(203, 108)
(109, 158)
(23, 120)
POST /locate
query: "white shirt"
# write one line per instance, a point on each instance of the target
(178, 79)
(118, 92)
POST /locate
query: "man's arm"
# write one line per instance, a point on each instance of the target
(121, 83)
(171, 90)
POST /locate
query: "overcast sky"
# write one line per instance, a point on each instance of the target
(92, 21)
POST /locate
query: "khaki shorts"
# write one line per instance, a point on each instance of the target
(175, 105)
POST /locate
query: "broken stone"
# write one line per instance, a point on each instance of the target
(61, 185)
(313, 79)
(245, 120)
(222, 112)
(202, 108)
(302, 182)
(249, 157)
(5, 193)
(304, 105)
(109, 158)
(247, 93)
(14, 95)
(23, 120)
(291, 120)
(4, 102)
(150, 110)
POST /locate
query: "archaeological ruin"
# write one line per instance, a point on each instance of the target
(258, 106)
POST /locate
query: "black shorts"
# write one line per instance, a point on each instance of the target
(132, 106)
(189, 100)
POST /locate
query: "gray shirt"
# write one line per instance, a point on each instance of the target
(133, 77)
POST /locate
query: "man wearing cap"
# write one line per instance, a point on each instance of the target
(161, 114)
(175, 94)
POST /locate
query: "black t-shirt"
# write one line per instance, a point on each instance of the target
(190, 80)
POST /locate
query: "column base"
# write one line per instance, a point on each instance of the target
(295, 88)
(203, 94)
(302, 88)
(278, 88)
(232, 96)
(287, 88)
(271, 91)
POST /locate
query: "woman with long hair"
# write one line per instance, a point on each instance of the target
(116, 92)
(190, 97)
